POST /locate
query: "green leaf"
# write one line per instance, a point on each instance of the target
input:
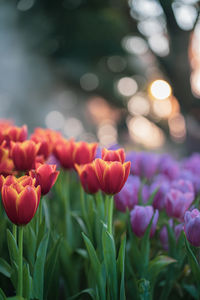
(41, 232)
(38, 274)
(50, 266)
(5, 268)
(172, 241)
(27, 282)
(156, 265)
(12, 247)
(30, 244)
(2, 295)
(120, 267)
(109, 253)
(192, 262)
(191, 289)
(90, 292)
(96, 267)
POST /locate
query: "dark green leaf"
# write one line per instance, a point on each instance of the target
(120, 267)
(12, 247)
(38, 274)
(50, 266)
(5, 268)
(192, 262)
(110, 262)
(2, 295)
(27, 283)
(90, 292)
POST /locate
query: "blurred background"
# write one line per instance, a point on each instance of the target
(115, 71)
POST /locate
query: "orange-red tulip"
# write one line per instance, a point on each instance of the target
(6, 164)
(111, 175)
(84, 153)
(45, 175)
(47, 139)
(88, 178)
(64, 153)
(24, 155)
(113, 155)
(15, 134)
(20, 198)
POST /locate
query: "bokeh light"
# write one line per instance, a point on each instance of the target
(162, 109)
(177, 128)
(145, 132)
(139, 105)
(135, 45)
(55, 120)
(89, 82)
(127, 86)
(160, 89)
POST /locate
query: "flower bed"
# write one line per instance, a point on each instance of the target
(108, 226)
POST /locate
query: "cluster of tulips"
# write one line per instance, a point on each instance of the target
(85, 222)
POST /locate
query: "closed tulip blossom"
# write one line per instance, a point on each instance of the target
(192, 227)
(84, 153)
(141, 217)
(63, 151)
(45, 175)
(88, 178)
(113, 155)
(111, 175)
(20, 199)
(178, 202)
(160, 196)
(24, 155)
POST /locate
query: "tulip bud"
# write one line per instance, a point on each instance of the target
(6, 164)
(192, 227)
(24, 155)
(20, 199)
(111, 175)
(88, 178)
(113, 155)
(45, 175)
(141, 217)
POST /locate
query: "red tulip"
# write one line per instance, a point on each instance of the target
(88, 178)
(84, 153)
(113, 155)
(24, 155)
(111, 175)
(45, 175)
(64, 153)
(20, 199)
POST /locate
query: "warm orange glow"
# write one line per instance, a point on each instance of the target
(160, 89)
(177, 128)
(195, 82)
(162, 109)
(146, 133)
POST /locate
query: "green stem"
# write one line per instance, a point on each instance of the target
(15, 232)
(84, 213)
(109, 212)
(40, 211)
(20, 263)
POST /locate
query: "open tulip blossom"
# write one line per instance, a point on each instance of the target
(74, 241)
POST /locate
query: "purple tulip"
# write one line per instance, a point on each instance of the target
(192, 227)
(163, 188)
(128, 196)
(192, 177)
(169, 167)
(140, 219)
(185, 186)
(177, 203)
(164, 234)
